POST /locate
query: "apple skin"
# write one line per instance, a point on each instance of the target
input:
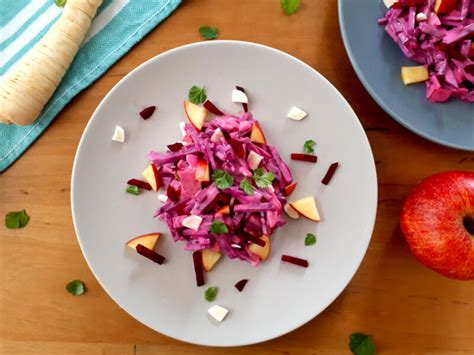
(435, 219)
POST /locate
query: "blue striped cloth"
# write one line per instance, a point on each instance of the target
(117, 27)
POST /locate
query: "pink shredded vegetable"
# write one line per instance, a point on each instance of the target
(443, 42)
(251, 215)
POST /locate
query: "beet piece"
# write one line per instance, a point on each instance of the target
(197, 260)
(139, 183)
(327, 178)
(150, 254)
(172, 193)
(245, 106)
(294, 260)
(147, 112)
(212, 108)
(257, 241)
(175, 147)
(304, 157)
(237, 147)
(241, 284)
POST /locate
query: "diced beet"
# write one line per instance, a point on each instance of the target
(197, 259)
(175, 147)
(172, 193)
(147, 112)
(241, 284)
(304, 157)
(245, 106)
(212, 108)
(150, 254)
(237, 147)
(139, 183)
(327, 178)
(295, 260)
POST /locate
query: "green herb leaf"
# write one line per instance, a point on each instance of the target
(361, 344)
(209, 32)
(289, 7)
(246, 186)
(262, 179)
(210, 294)
(197, 95)
(16, 219)
(60, 3)
(308, 146)
(134, 190)
(310, 239)
(218, 227)
(222, 179)
(76, 288)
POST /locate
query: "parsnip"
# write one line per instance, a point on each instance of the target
(28, 87)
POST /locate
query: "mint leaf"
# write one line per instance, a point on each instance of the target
(246, 186)
(262, 179)
(209, 32)
(210, 294)
(361, 344)
(16, 219)
(60, 3)
(222, 179)
(289, 7)
(197, 95)
(308, 146)
(76, 288)
(310, 239)
(133, 190)
(217, 227)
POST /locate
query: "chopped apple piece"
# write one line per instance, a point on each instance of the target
(254, 159)
(119, 134)
(261, 252)
(444, 6)
(256, 135)
(296, 114)
(192, 222)
(288, 189)
(389, 3)
(217, 135)
(210, 258)
(239, 96)
(202, 171)
(147, 240)
(291, 212)
(218, 312)
(307, 208)
(196, 114)
(151, 176)
(413, 75)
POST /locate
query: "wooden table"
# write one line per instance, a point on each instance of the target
(408, 308)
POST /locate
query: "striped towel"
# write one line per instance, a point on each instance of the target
(118, 25)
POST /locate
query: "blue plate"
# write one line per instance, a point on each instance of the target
(377, 61)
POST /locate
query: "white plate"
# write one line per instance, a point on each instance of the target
(279, 297)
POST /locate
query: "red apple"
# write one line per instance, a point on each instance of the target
(151, 176)
(261, 252)
(438, 223)
(196, 114)
(147, 240)
(202, 171)
(256, 135)
(444, 6)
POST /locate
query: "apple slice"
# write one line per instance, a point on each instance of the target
(253, 160)
(288, 189)
(291, 212)
(444, 6)
(210, 258)
(261, 252)
(196, 114)
(224, 210)
(202, 171)
(413, 75)
(147, 240)
(307, 208)
(151, 176)
(256, 135)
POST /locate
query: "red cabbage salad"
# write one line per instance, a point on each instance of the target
(438, 35)
(224, 189)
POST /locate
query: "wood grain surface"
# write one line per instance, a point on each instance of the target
(408, 308)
